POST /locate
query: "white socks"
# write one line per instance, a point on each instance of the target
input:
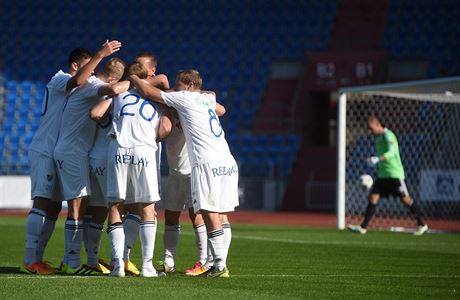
(147, 232)
(170, 240)
(201, 240)
(93, 241)
(74, 237)
(117, 242)
(34, 226)
(227, 240)
(131, 225)
(216, 243)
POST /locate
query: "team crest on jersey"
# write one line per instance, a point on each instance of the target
(49, 177)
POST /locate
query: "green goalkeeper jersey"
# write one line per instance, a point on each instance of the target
(387, 146)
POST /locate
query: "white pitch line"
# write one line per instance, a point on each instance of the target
(430, 276)
(332, 242)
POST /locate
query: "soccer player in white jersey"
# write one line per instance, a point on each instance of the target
(132, 219)
(96, 212)
(132, 164)
(178, 196)
(77, 133)
(43, 215)
(214, 178)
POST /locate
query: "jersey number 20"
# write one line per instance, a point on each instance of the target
(124, 108)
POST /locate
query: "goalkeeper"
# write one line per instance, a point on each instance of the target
(390, 176)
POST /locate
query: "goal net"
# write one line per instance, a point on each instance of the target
(428, 130)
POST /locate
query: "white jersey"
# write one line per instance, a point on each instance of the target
(101, 141)
(176, 150)
(77, 129)
(204, 135)
(54, 99)
(135, 120)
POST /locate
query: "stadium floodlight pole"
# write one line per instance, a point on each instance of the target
(341, 156)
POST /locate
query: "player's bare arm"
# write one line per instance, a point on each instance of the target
(107, 49)
(99, 111)
(146, 89)
(165, 124)
(220, 109)
(160, 81)
(113, 89)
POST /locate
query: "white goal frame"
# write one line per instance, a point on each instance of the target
(410, 90)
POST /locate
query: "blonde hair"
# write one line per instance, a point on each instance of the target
(190, 76)
(114, 68)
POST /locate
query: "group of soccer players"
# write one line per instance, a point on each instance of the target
(98, 148)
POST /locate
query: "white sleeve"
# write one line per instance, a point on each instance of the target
(173, 99)
(91, 90)
(59, 82)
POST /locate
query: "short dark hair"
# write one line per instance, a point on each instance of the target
(78, 54)
(148, 55)
(373, 119)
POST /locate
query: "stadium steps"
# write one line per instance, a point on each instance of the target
(274, 111)
(313, 164)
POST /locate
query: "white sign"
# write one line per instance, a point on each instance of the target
(440, 185)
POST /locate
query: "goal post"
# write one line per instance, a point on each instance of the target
(425, 116)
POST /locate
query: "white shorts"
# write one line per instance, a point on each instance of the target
(44, 182)
(73, 174)
(215, 186)
(132, 166)
(178, 195)
(98, 179)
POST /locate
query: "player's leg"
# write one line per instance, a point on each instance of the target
(147, 233)
(131, 224)
(116, 238)
(170, 239)
(43, 183)
(370, 210)
(227, 235)
(74, 232)
(97, 212)
(34, 226)
(412, 206)
(380, 187)
(93, 237)
(215, 238)
(177, 197)
(52, 214)
(201, 241)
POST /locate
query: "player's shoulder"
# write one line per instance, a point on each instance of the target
(58, 77)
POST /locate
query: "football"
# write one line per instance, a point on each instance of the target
(366, 181)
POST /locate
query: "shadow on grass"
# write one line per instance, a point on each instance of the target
(9, 270)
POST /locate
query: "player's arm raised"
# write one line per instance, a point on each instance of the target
(107, 49)
(146, 89)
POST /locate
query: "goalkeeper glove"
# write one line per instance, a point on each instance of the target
(372, 161)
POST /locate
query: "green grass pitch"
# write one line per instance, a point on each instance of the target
(266, 262)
